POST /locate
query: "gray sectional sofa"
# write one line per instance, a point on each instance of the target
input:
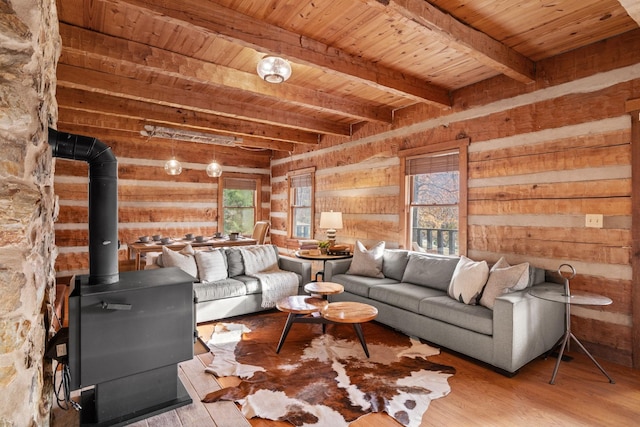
(412, 296)
(223, 289)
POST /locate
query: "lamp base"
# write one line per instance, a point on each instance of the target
(331, 235)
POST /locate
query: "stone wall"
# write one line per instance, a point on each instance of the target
(29, 48)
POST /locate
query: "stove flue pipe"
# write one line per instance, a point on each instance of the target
(103, 200)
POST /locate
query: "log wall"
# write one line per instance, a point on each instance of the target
(541, 157)
(150, 201)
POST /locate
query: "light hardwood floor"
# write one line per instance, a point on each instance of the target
(582, 396)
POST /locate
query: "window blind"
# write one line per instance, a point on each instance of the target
(239, 184)
(446, 162)
(303, 180)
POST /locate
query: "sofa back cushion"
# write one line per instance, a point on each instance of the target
(394, 262)
(236, 263)
(212, 265)
(430, 270)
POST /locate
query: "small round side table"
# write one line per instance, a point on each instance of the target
(569, 299)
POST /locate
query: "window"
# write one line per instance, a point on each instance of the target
(239, 200)
(435, 184)
(301, 196)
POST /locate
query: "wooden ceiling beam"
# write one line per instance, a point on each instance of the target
(119, 54)
(461, 37)
(250, 32)
(197, 100)
(100, 125)
(81, 100)
(633, 9)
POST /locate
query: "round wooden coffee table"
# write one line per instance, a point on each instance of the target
(301, 308)
(323, 288)
(355, 313)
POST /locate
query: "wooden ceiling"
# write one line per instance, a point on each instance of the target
(191, 64)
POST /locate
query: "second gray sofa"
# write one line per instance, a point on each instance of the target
(412, 297)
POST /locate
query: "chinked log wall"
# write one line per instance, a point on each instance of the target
(541, 157)
(150, 201)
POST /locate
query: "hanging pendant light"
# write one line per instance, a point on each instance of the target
(214, 170)
(274, 69)
(173, 167)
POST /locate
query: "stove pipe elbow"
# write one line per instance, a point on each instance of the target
(103, 200)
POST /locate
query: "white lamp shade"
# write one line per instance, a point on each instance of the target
(173, 167)
(273, 69)
(214, 170)
(331, 220)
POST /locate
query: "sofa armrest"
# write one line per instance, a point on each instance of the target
(334, 267)
(524, 327)
(298, 266)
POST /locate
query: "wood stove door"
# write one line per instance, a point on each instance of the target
(142, 323)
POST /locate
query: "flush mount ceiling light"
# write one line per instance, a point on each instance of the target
(173, 167)
(214, 170)
(189, 136)
(274, 69)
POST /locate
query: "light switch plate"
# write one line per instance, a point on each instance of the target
(594, 220)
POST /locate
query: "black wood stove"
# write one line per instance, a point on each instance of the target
(127, 331)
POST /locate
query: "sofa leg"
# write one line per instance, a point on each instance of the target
(505, 372)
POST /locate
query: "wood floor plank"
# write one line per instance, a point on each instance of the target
(223, 414)
(195, 414)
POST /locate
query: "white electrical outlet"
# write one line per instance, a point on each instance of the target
(594, 220)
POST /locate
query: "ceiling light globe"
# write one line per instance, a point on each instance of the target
(273, 69)
(214, 170)
(173, 167)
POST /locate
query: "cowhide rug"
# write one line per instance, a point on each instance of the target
(324, 380)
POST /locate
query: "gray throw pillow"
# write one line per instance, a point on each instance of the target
(367, 262)
(503, 279)
(235, 262)
(431, 271)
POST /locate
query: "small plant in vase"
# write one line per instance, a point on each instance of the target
(324, 246)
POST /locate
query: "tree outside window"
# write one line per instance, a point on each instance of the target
(239, 198)
(301, 204)
(434, 202)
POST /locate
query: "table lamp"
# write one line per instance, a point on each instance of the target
(331, 221)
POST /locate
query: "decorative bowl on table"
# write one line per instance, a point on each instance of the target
(165, 240)
(143, 239)
(199, 239)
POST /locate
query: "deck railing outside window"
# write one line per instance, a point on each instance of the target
(440, 240)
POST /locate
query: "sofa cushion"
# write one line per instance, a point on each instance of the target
(403, 295)
(430, 270)
(503, 279)
(367, 262)
(468, 280)
(234, 262)
(360, 285)
(221, 289)
(394, 262)
(212, 265)
(252, 284)
(184, 259)
(472, 317)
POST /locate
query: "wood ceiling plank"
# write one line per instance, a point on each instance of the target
(126, 53)
(256, 34)
(463, 38)
(186, 97)
(633, 9)
(80, 100)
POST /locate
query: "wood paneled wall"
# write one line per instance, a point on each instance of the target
(541, 157)
(150, 201)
